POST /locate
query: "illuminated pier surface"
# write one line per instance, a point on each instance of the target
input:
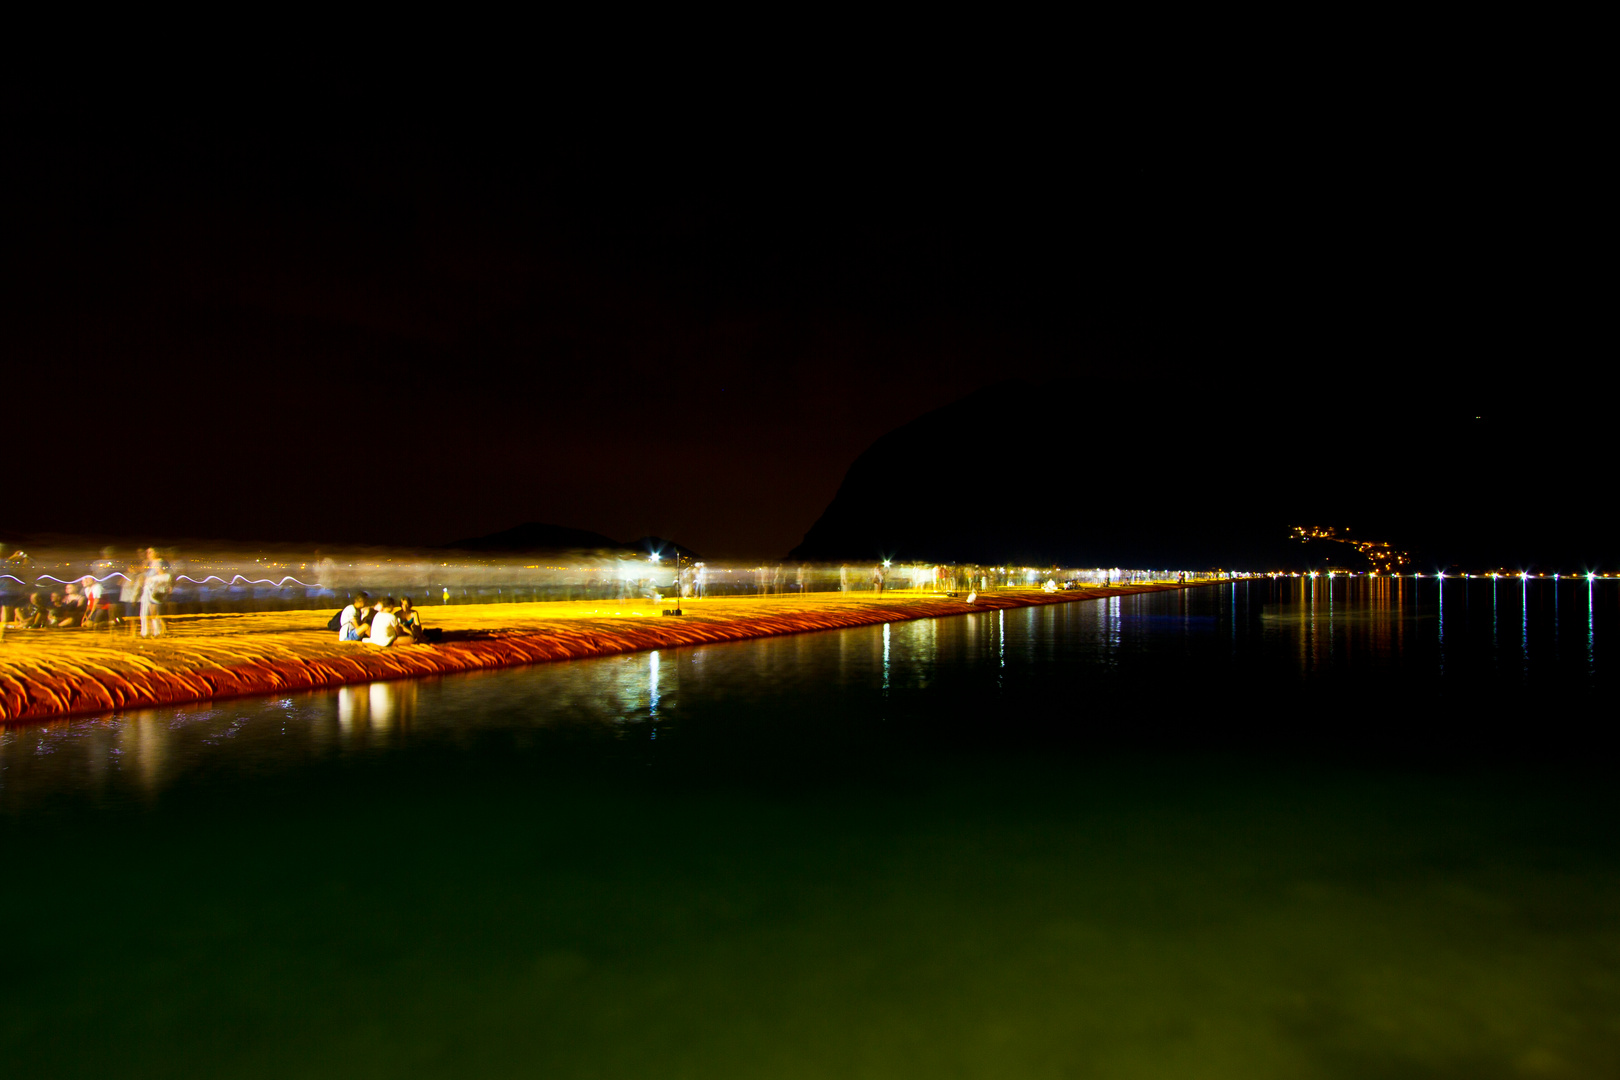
(50, 673)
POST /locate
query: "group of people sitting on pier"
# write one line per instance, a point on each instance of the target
(387, 622)
(79, 605)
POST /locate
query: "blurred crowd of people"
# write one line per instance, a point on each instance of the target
(144, 587)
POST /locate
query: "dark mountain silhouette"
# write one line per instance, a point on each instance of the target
(535, 536)
(1016, 473)
(665, 549)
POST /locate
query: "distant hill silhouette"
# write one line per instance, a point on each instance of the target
(536, 536)
(666, 549)
(1019, 474)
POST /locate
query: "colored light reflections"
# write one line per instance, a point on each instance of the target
(246, 654)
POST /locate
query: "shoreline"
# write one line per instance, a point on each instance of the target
(49, 674)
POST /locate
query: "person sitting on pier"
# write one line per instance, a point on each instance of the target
(385, 628)
(350, 620)
(410, 620)
(34, 615)
(97, 610)
(43, 611)
(71, 610)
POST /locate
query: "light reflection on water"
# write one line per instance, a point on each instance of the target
(652, 685)
(908, 849)
(1524, 623)
(1440, 623)
(1364, 631)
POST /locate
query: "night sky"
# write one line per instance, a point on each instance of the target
(368, 330)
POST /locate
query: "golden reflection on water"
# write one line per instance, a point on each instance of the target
(375, 708)
(144, 739)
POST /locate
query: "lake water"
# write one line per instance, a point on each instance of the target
(1270, 829)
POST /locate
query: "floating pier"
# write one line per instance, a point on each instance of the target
(46, 674)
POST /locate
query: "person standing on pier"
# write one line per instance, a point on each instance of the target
(155, 586)
(129, 592)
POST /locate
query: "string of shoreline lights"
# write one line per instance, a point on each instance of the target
(1440, 575)
(1524, 575)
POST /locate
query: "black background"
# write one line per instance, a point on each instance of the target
(380, 320)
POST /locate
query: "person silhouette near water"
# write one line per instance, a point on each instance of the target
(155, 586)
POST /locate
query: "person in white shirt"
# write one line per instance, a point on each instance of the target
(154, 593)
(385, 628)
(93, 605)
(349, 623)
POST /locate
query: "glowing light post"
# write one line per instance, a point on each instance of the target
(653, 558)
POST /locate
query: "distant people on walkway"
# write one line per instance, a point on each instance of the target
(129, 591)
(11, 595)
(877, 580)
(102, 571)
(323, 572)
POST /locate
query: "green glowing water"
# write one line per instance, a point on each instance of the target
(1210, 835)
